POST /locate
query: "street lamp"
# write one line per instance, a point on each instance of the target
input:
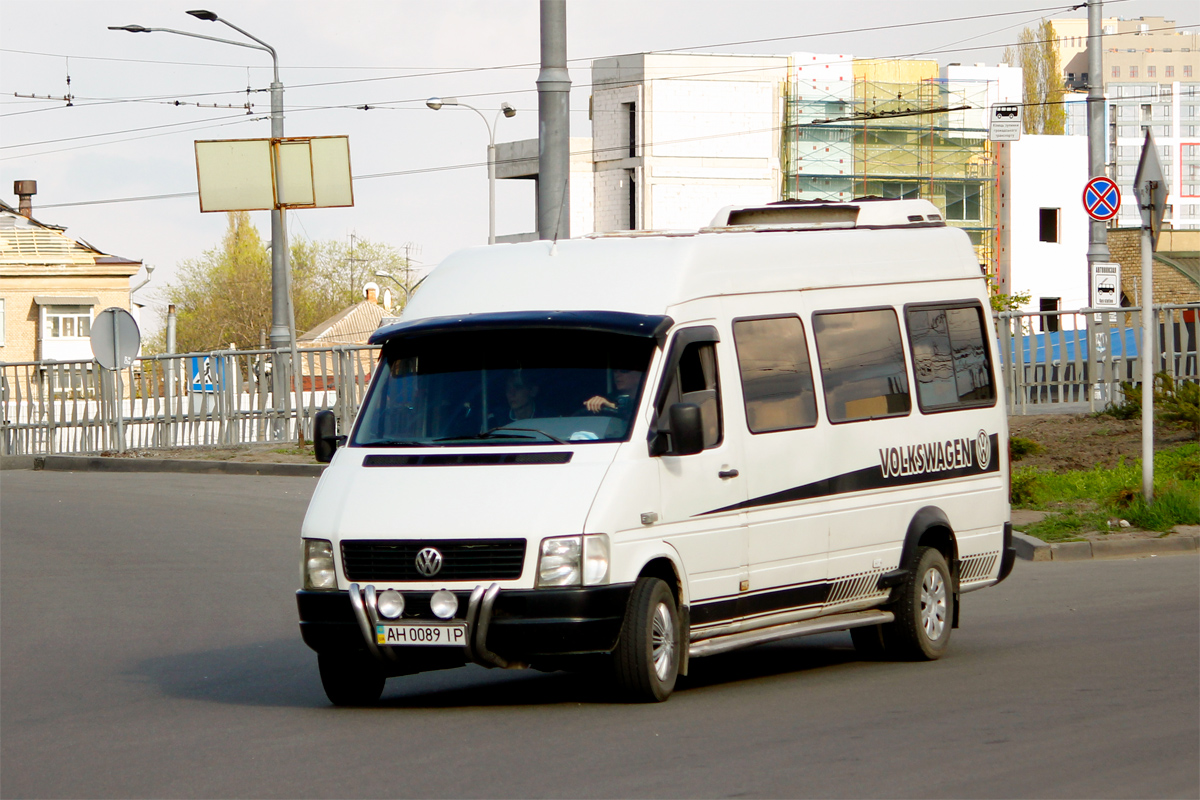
(406, 289)
(282, 334)
(508, 111)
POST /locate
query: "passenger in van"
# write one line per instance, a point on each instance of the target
(521, 394)
(625, 381)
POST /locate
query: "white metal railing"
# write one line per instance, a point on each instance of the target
(1077, 360)
(224, 397)
(1050, 361)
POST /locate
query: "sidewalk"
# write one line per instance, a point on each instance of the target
(1184, 539)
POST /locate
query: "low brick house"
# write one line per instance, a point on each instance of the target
(51, 288)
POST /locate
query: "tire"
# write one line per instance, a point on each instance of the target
(646, 658)
(924, 609)
(350, 680)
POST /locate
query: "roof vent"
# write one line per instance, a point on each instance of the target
(865, 212)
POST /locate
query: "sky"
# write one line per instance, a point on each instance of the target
(130, 127)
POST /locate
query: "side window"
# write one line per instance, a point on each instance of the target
(695, 381)
(776, 375)
(950, 357)
(862, 364)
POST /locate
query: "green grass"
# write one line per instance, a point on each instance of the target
(1087, 499)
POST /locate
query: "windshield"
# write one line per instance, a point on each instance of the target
(505, 387)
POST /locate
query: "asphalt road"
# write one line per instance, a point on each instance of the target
(149, 648)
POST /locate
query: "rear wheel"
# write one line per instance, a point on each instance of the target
(350, 680)
(646, 659)
(924, 610)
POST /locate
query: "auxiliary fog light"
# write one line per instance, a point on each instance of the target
(444, 604)
(390, 603)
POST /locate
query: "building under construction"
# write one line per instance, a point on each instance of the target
(896, 129)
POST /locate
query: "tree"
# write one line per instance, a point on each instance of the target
(329, 275)
(224, 297)
(1041, 74)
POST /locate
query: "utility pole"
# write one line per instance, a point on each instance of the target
(1097, 132)
(554, 125)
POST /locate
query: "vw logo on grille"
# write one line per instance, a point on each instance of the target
(429, 562)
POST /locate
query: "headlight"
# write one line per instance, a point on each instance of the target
(574, 561)
(317, 570)
(560, 561)
(595, 559)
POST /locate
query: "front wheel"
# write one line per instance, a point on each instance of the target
(350, 680)
(924, 610)
(646, 659)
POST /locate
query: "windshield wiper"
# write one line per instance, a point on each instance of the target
(499, 433)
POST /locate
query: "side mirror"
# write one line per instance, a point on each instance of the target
(325, 438)
(687, 429)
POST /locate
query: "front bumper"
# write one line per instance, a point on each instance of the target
(506, 628)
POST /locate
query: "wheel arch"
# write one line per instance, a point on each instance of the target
(930, 527)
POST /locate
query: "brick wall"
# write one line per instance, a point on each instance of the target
(1170, 286)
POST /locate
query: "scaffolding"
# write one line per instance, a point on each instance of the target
(924, 139)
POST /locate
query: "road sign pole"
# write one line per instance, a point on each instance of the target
(1098, 252)
(1147, 352)
(116, 327)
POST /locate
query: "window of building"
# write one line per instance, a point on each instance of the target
(862, 365)
(1169, 69)
(1133, 71)
(695, 381)
(68, 322)
(632, 130)
(632, 200)
(1050, 321)
(1187, 70)
(1147, 110)
(962, 201)
(950, 357)
(1150, 70)
(1, 322)
(1116, 72)
(777, 380)
(1048, 224)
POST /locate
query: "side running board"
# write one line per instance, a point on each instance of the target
(837, 622)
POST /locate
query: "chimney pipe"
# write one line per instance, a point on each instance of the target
(25, 190)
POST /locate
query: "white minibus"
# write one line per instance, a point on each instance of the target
(637, 449)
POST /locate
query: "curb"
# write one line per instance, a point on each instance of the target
(1032, 549)
(193, 467)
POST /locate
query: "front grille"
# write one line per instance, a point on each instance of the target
(462, 560)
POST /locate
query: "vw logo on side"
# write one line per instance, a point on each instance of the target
(983, 450)
(429, 562)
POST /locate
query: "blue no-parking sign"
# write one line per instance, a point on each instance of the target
(1101, 198)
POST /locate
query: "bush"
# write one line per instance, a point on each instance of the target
(1179, 403)
(1019, 447)
(1024, 486)
(1130, 408)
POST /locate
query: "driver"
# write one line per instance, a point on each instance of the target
(625, 381)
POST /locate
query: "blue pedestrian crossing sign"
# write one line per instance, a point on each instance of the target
(1101, 198)
(206, 373)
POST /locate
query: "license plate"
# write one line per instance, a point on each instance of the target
(422, 635)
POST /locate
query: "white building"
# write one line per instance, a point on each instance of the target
(1043, 228)
(677, 136)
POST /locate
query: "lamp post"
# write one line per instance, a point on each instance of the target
(282, 334)
(408, 290)
(508, 111)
